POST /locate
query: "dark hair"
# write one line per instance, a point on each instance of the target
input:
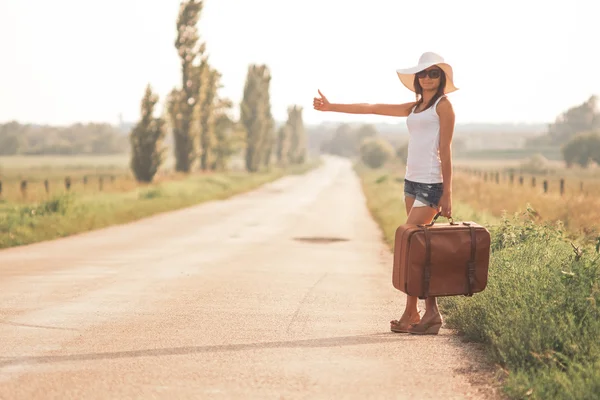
(437, 95)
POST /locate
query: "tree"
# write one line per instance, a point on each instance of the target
(78, 138)
(282, 150)
(255, 117)
(268, 143)
(189, 51)
(402, 153)
(579, 119)
(228, 136)
(375, 151)
(270, 140)
(147, 152)
(582, 149)
(205, 113)
(365, 131)
(343, 143)
(297, 136)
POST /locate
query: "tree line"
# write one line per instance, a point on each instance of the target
(199, 118)
(91, 138)
(577, 132)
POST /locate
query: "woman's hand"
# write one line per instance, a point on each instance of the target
(321, 103)
(446, 205)
(393, 110)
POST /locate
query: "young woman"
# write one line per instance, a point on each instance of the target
(428, 178)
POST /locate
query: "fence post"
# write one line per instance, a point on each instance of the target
(511, 177)
(497, 177)
(47, 185)
(0, 188)
(581, 187)
(85, 179)
(521, 180)
(100, 183)
(24, 189)
(562, 186)
(545, 186)
(68, 183)
(533, 181)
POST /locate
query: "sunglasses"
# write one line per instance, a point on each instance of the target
(432, 73)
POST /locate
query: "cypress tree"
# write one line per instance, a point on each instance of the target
(189, 51)
(147, 151)
(256, 118)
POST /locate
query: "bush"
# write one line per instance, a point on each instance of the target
(540, 313)
(402, 153)
(57, 205)
(582, 149)
(536, 164)
(375, 152)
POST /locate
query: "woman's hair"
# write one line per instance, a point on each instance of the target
(437, 95)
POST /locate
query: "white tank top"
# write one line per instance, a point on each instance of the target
(424, 164)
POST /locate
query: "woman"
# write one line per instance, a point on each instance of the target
(428, 178)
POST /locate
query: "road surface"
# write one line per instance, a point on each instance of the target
(281, 293)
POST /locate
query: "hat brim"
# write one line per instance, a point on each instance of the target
(407, 76)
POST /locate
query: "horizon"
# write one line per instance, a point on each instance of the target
(91, 73)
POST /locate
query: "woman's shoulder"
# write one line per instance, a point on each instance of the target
(443, 105)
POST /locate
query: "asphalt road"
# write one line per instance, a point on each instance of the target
(281, 293)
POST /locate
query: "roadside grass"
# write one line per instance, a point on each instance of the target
(539, 317)
(66, 214)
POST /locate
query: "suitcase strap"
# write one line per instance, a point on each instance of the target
(470, 263)
(427, 269)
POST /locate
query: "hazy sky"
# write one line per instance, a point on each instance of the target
(64, 61)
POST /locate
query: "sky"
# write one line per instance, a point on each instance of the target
(525, 61)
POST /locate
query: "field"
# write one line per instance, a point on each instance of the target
(577, 210)
(510, 186)
(90, 203)
(539, 317)
(87, 174)
(551, 153)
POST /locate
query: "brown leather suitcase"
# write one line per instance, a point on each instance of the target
(443, 259)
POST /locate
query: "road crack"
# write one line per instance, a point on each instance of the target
(304, 301)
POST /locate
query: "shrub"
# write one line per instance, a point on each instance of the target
(540, 313)
(402, 153)
(375, 152)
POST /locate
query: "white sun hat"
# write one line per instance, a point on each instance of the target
(427, 59)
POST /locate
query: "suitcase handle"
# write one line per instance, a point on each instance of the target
(435, 218)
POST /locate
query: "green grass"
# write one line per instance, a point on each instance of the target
(539, 317)
(68, 214)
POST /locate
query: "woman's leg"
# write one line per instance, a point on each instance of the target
(416, 215)
(432, 319)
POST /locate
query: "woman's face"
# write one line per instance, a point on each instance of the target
(430, 78)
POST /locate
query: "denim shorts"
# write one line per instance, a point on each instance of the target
(429, 194)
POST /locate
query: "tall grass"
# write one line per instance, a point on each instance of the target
(539, 317)
(580, 214)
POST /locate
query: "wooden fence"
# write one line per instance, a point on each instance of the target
(66, 184)
(522, 179)
(37, 187)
